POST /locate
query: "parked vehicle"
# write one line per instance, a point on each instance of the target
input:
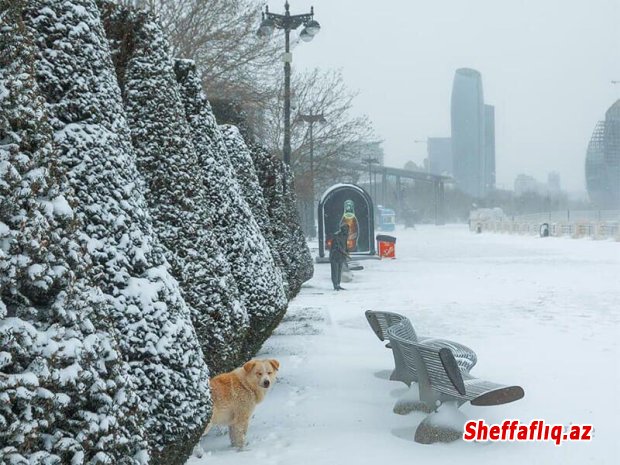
(386, 218)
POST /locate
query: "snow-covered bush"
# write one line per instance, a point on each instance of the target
(277, 183)
(175, 191)
(241, 160)
(152, 321)
(63, 391)
(259, 280)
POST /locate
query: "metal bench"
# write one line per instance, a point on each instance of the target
(441, 380)
(381, 321)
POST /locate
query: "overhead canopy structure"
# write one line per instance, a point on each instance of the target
(437, 183)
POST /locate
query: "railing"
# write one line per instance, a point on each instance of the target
(568, 216)
(596, 224)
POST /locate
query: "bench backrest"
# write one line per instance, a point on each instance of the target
(436, 368)
(381, 321)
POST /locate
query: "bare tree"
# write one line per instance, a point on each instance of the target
(343, 136)
(220, 35)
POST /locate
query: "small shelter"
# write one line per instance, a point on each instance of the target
(347, 204)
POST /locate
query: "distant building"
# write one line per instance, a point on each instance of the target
(603, 161)
(467, 121)
(440, 155)
(525, 184)
(473, 135)
(489, 147)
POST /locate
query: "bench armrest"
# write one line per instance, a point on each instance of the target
(374, 324)
(452, 370)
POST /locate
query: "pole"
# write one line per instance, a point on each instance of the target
(399, 195)
(311, 118)
(288, 23)
(286, 152)
(383, 187)
(442, 198)
(370, 161)
(375, 186)
(312, 234)
(436, 201)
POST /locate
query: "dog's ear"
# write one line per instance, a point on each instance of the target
(275, 364)
(249, 365)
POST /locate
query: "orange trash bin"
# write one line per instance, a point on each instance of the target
(386, 245)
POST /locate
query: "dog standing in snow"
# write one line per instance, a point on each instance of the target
(237, 393)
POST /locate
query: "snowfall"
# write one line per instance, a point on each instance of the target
(542, 313)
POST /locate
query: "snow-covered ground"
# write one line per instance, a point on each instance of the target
(541, 313)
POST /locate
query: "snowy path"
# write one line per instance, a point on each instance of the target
(537, 311)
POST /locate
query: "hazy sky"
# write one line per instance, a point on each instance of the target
(546, 66)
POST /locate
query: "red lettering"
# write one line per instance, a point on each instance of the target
(587, 433)
(556, 434)
(536, 430)
(470, 431)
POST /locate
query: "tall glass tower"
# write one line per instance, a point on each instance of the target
(603, 161)
(468, 138)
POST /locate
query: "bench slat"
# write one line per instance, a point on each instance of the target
(465, 357)
(380, 322)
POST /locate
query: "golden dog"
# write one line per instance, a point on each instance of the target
(236, 394)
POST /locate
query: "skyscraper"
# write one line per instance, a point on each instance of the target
(603, 161)
(467, 118)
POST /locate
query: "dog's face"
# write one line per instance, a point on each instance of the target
(262, 372)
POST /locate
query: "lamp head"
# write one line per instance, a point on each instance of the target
(313, 27)
(266, 27)
(305, 35)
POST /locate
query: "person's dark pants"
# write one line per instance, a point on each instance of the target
(336, 273)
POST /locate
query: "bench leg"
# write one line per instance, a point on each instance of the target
(400, 375)
(410, 402)
(445, 425)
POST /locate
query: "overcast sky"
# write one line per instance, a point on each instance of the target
(546, 65)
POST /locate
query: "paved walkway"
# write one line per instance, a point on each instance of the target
(542, 313)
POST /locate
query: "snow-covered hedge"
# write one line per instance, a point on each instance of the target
(258, 279)
(241, 160)
(278, 188)
(64, 395)
(172, 169)
(92, 140)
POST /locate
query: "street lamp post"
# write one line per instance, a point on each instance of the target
(311, 119)
(288, 23)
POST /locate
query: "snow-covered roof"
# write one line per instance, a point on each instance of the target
(335, 187)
